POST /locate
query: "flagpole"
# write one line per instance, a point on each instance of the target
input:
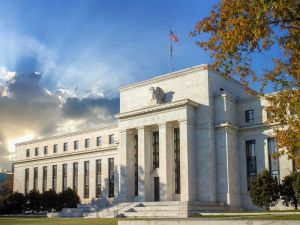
(170, 52)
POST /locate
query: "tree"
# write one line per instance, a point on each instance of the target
(264, 190)
(68, 199)
(15, 203)
(34, 198)
(296, 185)
(238, 31)
(287, 192)
(6, 191)
(49, 200)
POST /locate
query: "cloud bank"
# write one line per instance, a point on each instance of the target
(29, 109)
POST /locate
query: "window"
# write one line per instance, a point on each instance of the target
(296, 162)
(75, 177)
(87, 143)
(55, 148)
(44, 178)
(27, 153)
(251, 161)
(45, 150)
(136, 166)
(111, 139)
(36, 151)
(26, 181)
(99, 141)
(155, 144)
(35, 178)
(86, 179)
(54, 177)
(249, 115)
(64, 177)
(273, 163)
(76, 145)
(65, 146)
(98, 178)
(111, 177)
(177, 159)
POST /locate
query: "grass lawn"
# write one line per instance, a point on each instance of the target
(48, 221)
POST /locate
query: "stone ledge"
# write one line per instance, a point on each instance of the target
(206, 222)
(156, 108)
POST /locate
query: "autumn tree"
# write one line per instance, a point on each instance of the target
(238, 31)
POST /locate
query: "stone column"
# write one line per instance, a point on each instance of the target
(80, 179)
(187, 162)
(92, 178)
(144, 163)
(126, 170)
(165, 162)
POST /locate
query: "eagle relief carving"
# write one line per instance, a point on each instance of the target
(158, 95)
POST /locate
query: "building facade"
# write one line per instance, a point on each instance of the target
(192, 136)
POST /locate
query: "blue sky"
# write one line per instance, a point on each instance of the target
(111, 42)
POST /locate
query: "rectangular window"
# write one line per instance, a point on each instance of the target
(86, 179)
(99, 141)
(273, 163)
(65, 146)
(111, 178)
(296, 162)
(36, 151)
(251, 161)
(87, 143)
(111, 139)
(27, 153)
(64, 177)
(155, 144)
(177, 159)
(55, 148)
(249, 115)
(136, 166)
(76, 145)
(45, 150)
(26, 181)
(54, 177)
(44, 178)
(75, 177)
(35, 178)
(98, 178)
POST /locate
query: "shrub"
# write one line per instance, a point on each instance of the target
(49, 200)
(287, 191)
(34, 199)
(68, 199)
(264, 191)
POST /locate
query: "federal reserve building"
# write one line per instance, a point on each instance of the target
(190, 140)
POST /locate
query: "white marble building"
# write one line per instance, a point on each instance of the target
(189, 136)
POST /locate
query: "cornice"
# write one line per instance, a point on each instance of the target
(110, 148)
(67, 135)
(167, 76)
(157, 108)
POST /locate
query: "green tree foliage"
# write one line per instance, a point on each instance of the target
(49, 200)
(68, 199)
(15, 203)
(287, 192)
(34, 199)
(238, 31)
(264, 191)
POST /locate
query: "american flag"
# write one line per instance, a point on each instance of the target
(173, 37)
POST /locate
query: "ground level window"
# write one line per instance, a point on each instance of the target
(177, 159)
(98, 178)
(251, 161)
(273, 162)
(111, 177)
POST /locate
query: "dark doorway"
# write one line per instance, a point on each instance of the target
(156, 189)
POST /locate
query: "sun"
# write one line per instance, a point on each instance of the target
(11, 144)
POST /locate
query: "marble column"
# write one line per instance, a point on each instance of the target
(144, 165)
(126, 170)
(187, 161)
(165, 162)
